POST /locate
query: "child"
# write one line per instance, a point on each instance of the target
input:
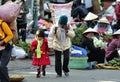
(40, 58)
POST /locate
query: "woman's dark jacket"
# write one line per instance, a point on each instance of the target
(94, 54)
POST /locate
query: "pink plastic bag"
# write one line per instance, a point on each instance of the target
(9, 12)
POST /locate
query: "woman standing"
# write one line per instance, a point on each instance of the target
(5, 50)
(22, 21)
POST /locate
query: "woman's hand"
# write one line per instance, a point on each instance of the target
(103, 47)
(1, 43)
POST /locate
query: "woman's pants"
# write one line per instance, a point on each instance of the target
(4, 60)
(58, 61)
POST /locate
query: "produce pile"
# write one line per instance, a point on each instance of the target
(78, 34)
(114, 62)
(26, 47)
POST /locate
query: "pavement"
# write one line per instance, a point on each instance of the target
(25, 68)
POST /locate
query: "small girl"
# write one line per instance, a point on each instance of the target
(40, 58)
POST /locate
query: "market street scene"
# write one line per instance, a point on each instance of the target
(60, 40)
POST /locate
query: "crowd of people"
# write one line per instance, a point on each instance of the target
(99, 48)
(101, 39)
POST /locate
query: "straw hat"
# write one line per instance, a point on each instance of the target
(90, 30)
(90, 16)
(104, 20)
(117, 0)
(117, 32)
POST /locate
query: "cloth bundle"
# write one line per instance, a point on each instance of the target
(9, 12)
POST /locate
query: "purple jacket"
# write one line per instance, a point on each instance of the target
(115, 43)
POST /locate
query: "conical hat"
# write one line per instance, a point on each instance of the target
(90, 16)
(117, 32)
(117, 0)
(114, 3)
(104, 20)
(90, 30)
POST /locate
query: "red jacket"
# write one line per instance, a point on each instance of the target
(44, 60)
(117, 11)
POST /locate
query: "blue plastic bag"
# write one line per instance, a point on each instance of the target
(78, 52)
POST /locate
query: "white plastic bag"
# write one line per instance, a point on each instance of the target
(18, 52)
(13, 52)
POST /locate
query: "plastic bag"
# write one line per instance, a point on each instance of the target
(78, 52)
(13, 52)
(9, 11)
(18, 52)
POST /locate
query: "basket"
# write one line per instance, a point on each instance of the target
(16, 77)
(78, 62)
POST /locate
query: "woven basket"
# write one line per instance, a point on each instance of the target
(16, 77)
(78, 62)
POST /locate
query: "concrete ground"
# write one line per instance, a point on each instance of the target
(25, 68)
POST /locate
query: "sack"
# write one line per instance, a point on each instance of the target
(9, 12)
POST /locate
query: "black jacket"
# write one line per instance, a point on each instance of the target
(94, 54)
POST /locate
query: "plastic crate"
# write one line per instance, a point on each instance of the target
(78, 62)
